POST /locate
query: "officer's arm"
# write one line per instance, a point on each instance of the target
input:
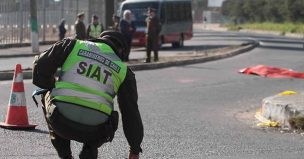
(132, 124)
(46, 64)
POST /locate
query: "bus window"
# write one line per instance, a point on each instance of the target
(175, 17)
(170, 12)
(182, 11)
(163, 13)
(189, 15)
(139, 10)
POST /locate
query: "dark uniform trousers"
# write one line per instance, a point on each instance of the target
(62, 130)
(152, 45)
(153, 29)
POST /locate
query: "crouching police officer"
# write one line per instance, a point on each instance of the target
(79, 105)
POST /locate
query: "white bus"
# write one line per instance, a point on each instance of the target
(175, 17)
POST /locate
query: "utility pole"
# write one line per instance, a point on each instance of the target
(20, 21)
(44, 20)
(62, 9)
(77, 6)
(109, 10)
(34, 27)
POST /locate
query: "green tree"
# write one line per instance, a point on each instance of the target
(253, 10)
(264, 10)
(295, 10)
(274, 11)
(233, 9)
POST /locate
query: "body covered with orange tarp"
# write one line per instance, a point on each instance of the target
(272, 72)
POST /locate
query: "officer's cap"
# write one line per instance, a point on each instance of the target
(80, 14)
(95, 17)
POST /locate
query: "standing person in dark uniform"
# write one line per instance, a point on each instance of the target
(127, 28)
(94, 29)
(80, 27)
(152, 32)
(61, 29)
(79, 105)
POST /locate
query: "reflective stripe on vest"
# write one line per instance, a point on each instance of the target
(87, 103)
(91, 77)
(82, 93)
(95, 30)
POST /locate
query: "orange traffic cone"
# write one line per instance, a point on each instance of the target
(16, 117)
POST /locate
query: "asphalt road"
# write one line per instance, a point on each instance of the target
(190, 112)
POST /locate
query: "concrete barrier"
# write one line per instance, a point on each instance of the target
(285, 109)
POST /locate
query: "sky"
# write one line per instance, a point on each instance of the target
(215, 3)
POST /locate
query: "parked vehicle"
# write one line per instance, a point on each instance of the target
(175, 17)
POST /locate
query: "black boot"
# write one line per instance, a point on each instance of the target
(61, 145)
(155, 56)
(67, 157)
(88, 152)
(148, 59)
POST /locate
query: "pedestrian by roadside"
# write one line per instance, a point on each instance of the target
(127, 28)
(62, 29)
(152, 34)
(79, 104)
(205, 22)
(94, 29)
(115, 20)
(80, 27)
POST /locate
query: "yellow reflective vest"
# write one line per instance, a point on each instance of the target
(90, 77)
(95, 30)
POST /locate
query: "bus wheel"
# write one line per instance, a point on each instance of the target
(174, 44)
(181, 41)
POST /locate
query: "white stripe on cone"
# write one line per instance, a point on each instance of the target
(17, 99)
(19, 77)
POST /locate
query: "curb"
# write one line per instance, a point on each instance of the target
(27, 74)
(242, 49)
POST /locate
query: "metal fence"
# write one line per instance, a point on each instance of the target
(15, 18)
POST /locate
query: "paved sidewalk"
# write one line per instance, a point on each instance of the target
(23, 51)
(168, 61)
(137, 58)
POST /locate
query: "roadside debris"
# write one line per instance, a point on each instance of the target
(265, 122)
